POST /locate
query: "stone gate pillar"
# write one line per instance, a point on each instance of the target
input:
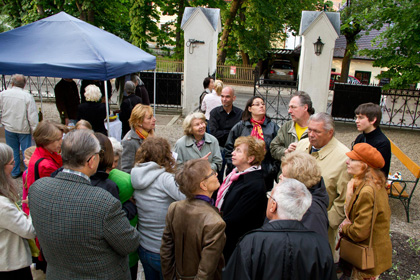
(201, 28)
(315, 69)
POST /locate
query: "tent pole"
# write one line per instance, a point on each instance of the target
(40, 94)
(107, 108)
(154, 93)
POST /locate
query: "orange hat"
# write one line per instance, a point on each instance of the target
(368, 154)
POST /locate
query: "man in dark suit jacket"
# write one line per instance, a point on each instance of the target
(82, 230)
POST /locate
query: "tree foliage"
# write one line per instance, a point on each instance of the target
(109, 15)
(355, 17)
(253, 25)
(398, 47)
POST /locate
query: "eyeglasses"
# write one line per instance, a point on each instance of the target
(258, 104)
(269, 196)
(211, 174)
(101, 152)
(11, 163)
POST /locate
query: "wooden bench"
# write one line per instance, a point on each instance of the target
(404, 189)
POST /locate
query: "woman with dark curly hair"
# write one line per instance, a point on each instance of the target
(154, 190)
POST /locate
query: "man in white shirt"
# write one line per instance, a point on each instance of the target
(19, 117)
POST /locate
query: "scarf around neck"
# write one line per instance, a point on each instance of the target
(142, 133)
(232, 177)
(257, 129)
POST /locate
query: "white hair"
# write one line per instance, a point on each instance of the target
(92, 93)
(293, 199)
(116, 146)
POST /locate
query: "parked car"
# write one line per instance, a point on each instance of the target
(335, 77)
(281, 70)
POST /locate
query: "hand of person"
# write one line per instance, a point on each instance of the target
(25, 201)
(206, 156)
(291, 148)
(345, 222)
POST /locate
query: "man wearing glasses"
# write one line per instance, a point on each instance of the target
(300, 109)
(81, 228)
(283, 248)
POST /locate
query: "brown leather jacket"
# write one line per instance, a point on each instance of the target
(193, 241)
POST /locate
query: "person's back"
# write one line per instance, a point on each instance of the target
(74, 236)
(82, 230)
(283, 248)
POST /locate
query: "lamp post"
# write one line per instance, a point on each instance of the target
(318, 45)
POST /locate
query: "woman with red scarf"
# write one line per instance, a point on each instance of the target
(256, 123)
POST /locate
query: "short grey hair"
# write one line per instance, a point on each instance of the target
(19, 80)
(116, 146)
(129, 87)
(325, 118)
(293, 199)
(78, 146)
(186, 125)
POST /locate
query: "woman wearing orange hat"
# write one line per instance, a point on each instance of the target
(366, 188)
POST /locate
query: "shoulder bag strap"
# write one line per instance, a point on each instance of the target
(373, 216)
(36, 170)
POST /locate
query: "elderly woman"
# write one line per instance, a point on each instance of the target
(15, 226)
(142, 123)
(196, 143)
(367, 202)
(256, 123)
(242, 196)
(213, 99)
(304, 168)
(46, 159)
(154, 190)
(93, 110)
(194, 235)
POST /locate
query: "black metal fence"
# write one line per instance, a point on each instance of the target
(276, 94)
(400, 108)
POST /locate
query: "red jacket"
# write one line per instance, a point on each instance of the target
(50, 163)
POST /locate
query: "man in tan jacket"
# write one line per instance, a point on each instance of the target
(331, 157)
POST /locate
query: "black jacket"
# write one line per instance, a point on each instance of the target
(95, 114)
(316, 218)
(270, 166)
(126, 108)
(243, 208)
(281, 250)
(378, 140)
(221, 123)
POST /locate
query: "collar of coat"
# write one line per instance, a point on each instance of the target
(326, 150)
(189, 141)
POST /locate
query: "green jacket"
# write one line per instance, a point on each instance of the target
(285, 136)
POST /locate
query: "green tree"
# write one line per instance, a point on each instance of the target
(355, 17)
(253, 25)
(398, 47)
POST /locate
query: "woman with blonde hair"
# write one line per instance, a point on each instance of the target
(93, 110)
(242, 196)
(142, 123)
(196, 143)
(212, 100)
(15, 226)
(367, 203)
(155, 189)
(304, 168)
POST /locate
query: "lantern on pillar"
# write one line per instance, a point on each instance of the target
(318, 45)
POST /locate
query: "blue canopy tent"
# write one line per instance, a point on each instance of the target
(64, 46)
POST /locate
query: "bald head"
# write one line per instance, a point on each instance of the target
(228, 96)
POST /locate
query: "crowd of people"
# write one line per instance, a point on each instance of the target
(237, 197)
